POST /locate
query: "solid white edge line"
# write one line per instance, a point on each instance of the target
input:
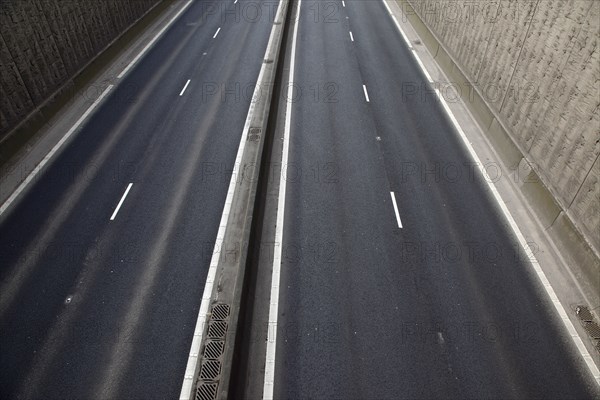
(269, 379)
(351, 37)
(398, 220)
(154, 39)
(533, 262)
(52, 152)
(366, 94)
(389, 10)
(195, 347)
(422, 66)
(408, 42)
(185, 87)
(114, 214)
(216, 33)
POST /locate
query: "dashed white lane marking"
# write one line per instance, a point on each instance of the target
(351, 36)
(398, 220)
(52, 152)
(154, 39)
(185, 87)
(235, 2)
(114, 214)
(343, 3)
(217, 32)
(269, 380)
(366, 94)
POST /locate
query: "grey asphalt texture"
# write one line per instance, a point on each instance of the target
(446, 307)
(135, 283)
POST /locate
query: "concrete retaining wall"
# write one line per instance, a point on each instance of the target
(44, 43)
(536, 64)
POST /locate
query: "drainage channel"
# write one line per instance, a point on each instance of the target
(222, 357)
(248, 374)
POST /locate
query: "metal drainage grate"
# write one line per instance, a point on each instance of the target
(254, 134)
(207, 391)
(217, 330)
(592, 329)
(584, 314)
(220, 312)
(210, 370)
(213, 350)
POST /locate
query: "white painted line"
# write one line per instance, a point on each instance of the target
(195, 347)
(217, 32)
(154, 39)
(185, 87)
(269, 380)
(422, 66)
(351, 37)
(522, 241)
(366, 94)
(343, 3)
(398, 220)
(114, 214)
(398, 25)
(533, 262)
(235, 2)
(52, 152)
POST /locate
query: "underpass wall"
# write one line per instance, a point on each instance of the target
(44, 43)
(531, 71)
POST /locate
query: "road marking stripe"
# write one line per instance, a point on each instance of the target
(343, 3)
(52, 152)
(185, 87)
(114, 214)
(351, 37)
(269, 379)
(396, 210)
(398, 26)
(235, 1)
(366, 94)
(217, 32)
(154, 39)
(422, 66)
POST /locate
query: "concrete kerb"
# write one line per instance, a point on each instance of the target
(568, 239)
(233, 252)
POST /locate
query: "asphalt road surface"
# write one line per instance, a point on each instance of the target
(400, 278)
(97, 308)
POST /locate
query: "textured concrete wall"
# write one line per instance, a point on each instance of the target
(537, 65)
(43, 43)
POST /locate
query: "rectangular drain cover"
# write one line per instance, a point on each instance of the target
(584, 314)
(217, 330)
(207, 391)
(592, 329)
(210, 370)
(220, 312)
(213, 350)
